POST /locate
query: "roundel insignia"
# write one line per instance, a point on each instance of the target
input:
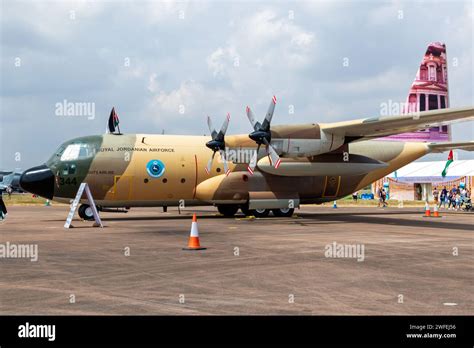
(155, 168)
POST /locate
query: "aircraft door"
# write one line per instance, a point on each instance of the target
(122, 189)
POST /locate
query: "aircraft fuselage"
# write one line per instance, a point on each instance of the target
(168, 170)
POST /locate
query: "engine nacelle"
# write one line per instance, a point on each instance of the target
(304, 141)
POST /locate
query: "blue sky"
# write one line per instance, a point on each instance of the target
(166, 65)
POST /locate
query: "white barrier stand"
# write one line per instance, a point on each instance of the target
(90, 199)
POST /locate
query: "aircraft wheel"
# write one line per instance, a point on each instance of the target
(228, 210)
(285, 212)
(260, 213)
(85, 212)
(245, 210)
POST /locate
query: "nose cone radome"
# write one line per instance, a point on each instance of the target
(38, 180)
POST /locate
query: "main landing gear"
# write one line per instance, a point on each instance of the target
(230, 210)
(286, 212)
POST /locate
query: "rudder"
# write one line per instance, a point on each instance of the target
(429, 91)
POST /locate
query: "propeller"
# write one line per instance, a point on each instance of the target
(217, 143)
(262, 135)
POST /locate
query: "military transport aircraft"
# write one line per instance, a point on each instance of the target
(274, 168)
(10, 180)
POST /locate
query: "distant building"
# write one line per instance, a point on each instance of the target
(417, 180)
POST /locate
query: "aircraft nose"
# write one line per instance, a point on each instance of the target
(38, 180)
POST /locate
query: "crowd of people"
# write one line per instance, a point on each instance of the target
(455, 198)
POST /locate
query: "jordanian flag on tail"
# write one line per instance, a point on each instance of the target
(450, 160)
(113, 121)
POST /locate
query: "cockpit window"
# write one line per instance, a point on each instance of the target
(60, 151)
(77, 151)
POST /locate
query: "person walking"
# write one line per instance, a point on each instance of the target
(452, 196)
(450, 200)
(457, 201)
(384, 197)
(442, 197)
(355, 196)
(435, 195)
(379, 195)
(3, 208)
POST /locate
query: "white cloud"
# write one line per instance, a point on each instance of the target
(389, 80)
(152, 83)
(217, 58)
(187, 95)
(222, 59)
(263, 39)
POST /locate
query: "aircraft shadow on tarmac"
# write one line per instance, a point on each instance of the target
(307, 219)
(369, 218)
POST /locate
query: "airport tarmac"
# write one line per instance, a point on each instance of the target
(251, 266)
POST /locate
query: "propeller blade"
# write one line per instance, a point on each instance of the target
(253, 161)
(211, 128)
(276, 160)
(255, 124)
(209, 164)
(269, 115)
(223, 130)
(224, 161)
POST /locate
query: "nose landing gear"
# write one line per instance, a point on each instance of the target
(85, 212)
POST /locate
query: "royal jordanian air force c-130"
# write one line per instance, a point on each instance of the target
(274, 168)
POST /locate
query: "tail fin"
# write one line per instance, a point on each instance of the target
(429, 91)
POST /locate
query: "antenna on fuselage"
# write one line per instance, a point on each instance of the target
(113, 123)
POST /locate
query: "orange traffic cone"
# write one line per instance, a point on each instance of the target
(435, 211)
(193, 243)
(427, 210)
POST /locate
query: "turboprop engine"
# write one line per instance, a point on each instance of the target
(303, 141)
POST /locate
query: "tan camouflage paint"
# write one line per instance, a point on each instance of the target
(117, 177)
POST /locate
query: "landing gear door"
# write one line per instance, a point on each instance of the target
(273, 200)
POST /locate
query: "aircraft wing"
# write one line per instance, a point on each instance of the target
(442, 147)
(376, 127)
